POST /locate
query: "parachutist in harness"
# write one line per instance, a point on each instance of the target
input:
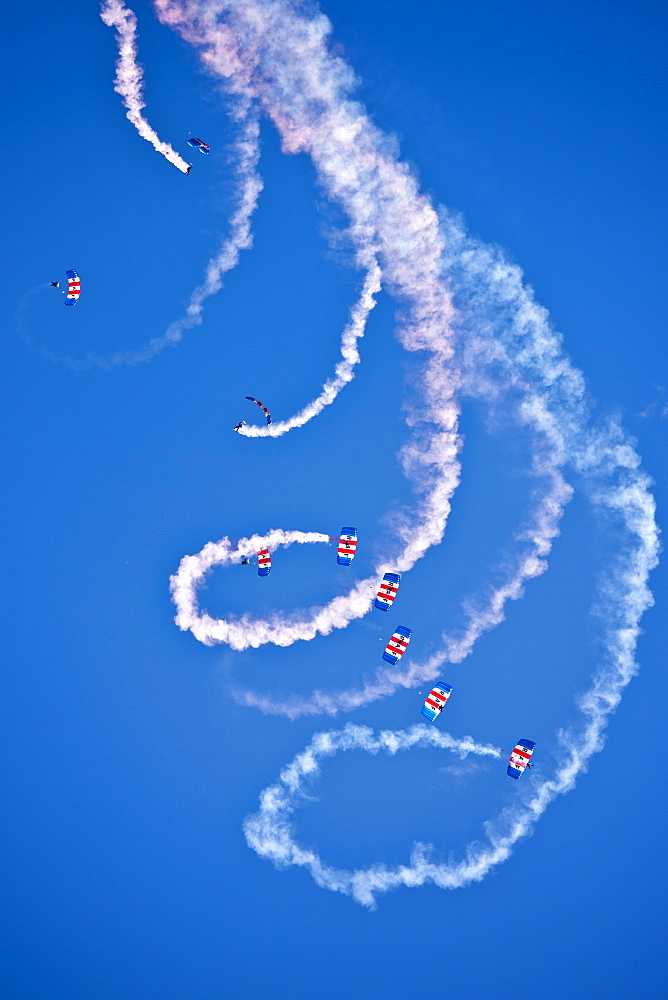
(239, 425)
(55, 284)
(245, 562)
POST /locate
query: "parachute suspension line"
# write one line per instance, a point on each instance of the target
(262, 407)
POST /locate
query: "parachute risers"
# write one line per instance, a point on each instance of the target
(396, 647)
(388, 591)
(262, 407)
(347, 546)
(520, 757)
(263, 563)
(436, 700)
(73, 288)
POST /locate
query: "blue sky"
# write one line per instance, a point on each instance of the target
(128, 765)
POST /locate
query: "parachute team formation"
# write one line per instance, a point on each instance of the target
(386, 210)
(400, 638)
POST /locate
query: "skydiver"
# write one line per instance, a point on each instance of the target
(55, 284)
(190, 166)
(245, 561)
(239, 426)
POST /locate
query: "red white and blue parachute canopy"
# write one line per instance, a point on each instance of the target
(347, 546)
(388, 591)
(199, 144)
(396, 647)
(435, 700)
(520, 757)
(263, 563)
(262, 407)
(73, 288)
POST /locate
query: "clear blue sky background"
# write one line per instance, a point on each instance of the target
(127, 768)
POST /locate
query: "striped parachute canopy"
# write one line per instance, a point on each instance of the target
(388, 591)
(262, 407)
(520, 757)
(263, 563)
(396, 647)
(435, 700)
(73, 288)
(347, 546)
(199, 144)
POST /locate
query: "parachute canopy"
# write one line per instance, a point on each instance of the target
(388, 591)
(396, 647)
(347, 546)
(263, 563)
(435, 700)
(199, 144)
(262, 407)
(520, 758)
(73, 288)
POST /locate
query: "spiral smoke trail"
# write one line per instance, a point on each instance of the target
(481, 335)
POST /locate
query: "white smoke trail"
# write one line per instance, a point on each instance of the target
(482, 614)
(607, 461)
(246, 154)
(281, 630)
(269, 831)
(389, 216)
(285, 629)
(129, 76)
(283, 62)
(624, 599)
(627, 598)
(507, 349)
(345, 369)
(390, 221)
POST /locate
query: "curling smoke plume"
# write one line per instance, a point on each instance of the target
(129, 77)
(270, 831)
(482, 336)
